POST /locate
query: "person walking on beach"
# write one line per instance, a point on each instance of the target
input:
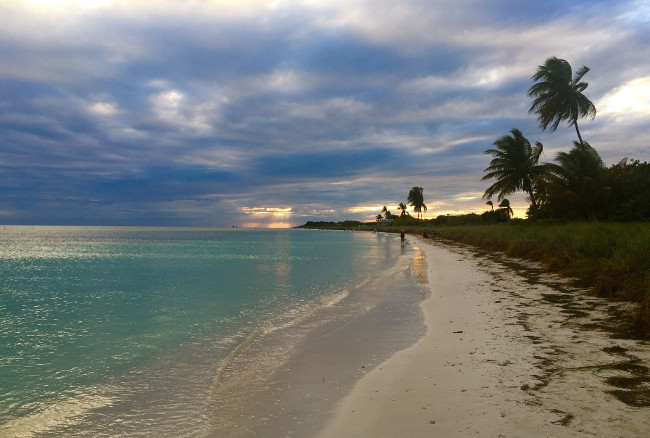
(402, 237)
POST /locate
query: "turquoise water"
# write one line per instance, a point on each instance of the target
(91, 317)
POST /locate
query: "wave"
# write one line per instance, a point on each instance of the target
(64, 413)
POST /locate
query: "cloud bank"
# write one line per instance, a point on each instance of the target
(272, 113)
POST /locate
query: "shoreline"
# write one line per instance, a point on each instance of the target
(508, 351)
(291, 380)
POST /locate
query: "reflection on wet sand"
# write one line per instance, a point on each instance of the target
(419, 266)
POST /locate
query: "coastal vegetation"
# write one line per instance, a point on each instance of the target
(342, 225)
(578, 186)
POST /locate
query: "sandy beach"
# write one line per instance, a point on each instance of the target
(509, 351)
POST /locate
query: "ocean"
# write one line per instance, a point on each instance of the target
(149, 331)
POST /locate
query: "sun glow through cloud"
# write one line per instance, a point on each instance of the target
(632, 98)
(268, 217)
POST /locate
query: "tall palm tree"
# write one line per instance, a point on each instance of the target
(491, 204)
(558, 96)
(416, 198)
(514, 166)
(402, 207)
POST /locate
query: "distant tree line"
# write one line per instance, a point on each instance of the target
(578, 185)
(325, 225)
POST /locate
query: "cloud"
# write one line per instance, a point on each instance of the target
(103, 109)
(183, 113)
(632, 99)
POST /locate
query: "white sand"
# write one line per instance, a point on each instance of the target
(498, 360)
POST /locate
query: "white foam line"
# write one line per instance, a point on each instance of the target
(338, 298)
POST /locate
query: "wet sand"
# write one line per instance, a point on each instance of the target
(509, 351)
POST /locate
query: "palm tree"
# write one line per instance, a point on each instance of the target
(514, 166)
(578, 182)
(505, 204)
(402, 207)
(379, 217)
(416, 198)
(491, 204)
(558, 96)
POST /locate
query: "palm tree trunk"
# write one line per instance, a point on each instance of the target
(575, 122)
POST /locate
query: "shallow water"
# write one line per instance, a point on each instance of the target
(133, 331)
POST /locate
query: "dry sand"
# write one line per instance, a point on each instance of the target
(508, 352)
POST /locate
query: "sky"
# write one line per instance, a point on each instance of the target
(272, 113)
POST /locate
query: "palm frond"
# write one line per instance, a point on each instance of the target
(558, 95)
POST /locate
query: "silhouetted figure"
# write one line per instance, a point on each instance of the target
(402, 236)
